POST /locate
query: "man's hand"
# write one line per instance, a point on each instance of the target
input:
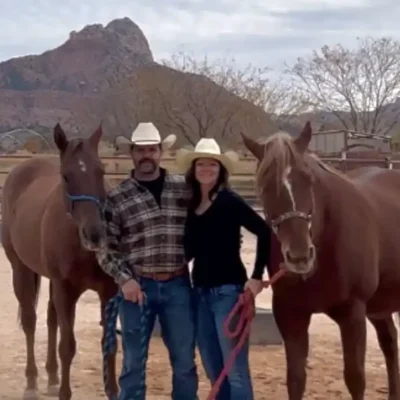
(132, 292)
(255, 286)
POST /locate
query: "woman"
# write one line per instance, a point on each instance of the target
(212, 239)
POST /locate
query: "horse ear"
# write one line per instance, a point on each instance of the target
(60, 139)
(255, 148)
(94, 140)
(302, 141)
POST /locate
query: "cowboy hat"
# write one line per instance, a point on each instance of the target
(145, 133)
(206, 148)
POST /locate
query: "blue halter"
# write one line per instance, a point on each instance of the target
(84, 197)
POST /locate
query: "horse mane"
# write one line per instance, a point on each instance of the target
(327, 167)
(280, 153)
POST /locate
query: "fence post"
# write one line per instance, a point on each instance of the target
(389, 163)
(342, 161)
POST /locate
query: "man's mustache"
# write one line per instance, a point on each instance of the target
(146, 160)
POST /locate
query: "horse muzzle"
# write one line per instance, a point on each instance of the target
(299, 262)
(92, 238)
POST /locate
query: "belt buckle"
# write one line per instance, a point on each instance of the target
(159, 276)
(154, 275)
(164, 276)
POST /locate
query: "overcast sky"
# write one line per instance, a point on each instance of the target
(258, 31)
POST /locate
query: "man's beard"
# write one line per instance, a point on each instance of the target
(147, 170)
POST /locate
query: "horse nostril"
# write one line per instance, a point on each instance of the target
(95, 237)
(311, 251)
(92, 235)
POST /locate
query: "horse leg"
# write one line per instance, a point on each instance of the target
(65, 298)
(51, 363)
(387, 338)
(111, 359)
(26, 285)
(293, 327)
(352, 321)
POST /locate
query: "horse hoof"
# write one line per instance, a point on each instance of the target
(31, 394)
(53, 390)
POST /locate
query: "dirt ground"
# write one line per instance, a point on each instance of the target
(267, 363)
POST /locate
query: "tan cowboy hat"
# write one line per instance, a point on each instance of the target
(206, 148)
(145, 133)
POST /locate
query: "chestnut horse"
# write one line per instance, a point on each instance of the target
(338, 240)
(52, 224)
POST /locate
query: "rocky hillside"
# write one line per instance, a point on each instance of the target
(38, 90)
(108, 73)
(85, 64)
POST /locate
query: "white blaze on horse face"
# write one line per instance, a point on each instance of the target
(287, 184)
(82, 166)
(305, 266)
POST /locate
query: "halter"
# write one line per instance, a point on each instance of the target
(293, 214)
(289, 215)
(84, 197)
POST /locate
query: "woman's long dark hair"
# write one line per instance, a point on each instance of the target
(222, 182)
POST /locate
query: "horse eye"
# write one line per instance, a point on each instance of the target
(65, 179)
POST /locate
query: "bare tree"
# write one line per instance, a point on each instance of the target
(279, 99)
(358, 86)
(205, 110)
(122, 108)
(185, 103)
(191, 105)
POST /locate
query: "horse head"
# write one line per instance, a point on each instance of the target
(285, 182)
(82, 175)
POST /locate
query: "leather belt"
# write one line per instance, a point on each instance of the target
(162, 276)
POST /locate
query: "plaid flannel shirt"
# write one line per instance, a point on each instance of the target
(140, 234)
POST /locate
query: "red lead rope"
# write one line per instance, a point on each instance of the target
(245, 307)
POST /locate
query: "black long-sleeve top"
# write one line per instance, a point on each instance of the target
(213, 240)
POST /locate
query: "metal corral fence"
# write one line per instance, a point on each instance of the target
(344, 164)
(117, 168)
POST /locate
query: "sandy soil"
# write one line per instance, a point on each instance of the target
(267, 363)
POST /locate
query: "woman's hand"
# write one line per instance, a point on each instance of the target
(255, 286)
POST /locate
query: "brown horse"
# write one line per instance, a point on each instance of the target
(338, 240)
(51, 227)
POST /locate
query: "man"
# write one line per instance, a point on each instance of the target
(145, 217)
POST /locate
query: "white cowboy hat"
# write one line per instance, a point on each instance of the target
(206, 148)
(145, 133)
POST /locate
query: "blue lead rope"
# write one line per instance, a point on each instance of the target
(110, 342)
(110, 338)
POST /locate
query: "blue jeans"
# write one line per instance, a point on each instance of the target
(172, 302)
(213, 307)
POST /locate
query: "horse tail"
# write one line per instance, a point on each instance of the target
(36, 288)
